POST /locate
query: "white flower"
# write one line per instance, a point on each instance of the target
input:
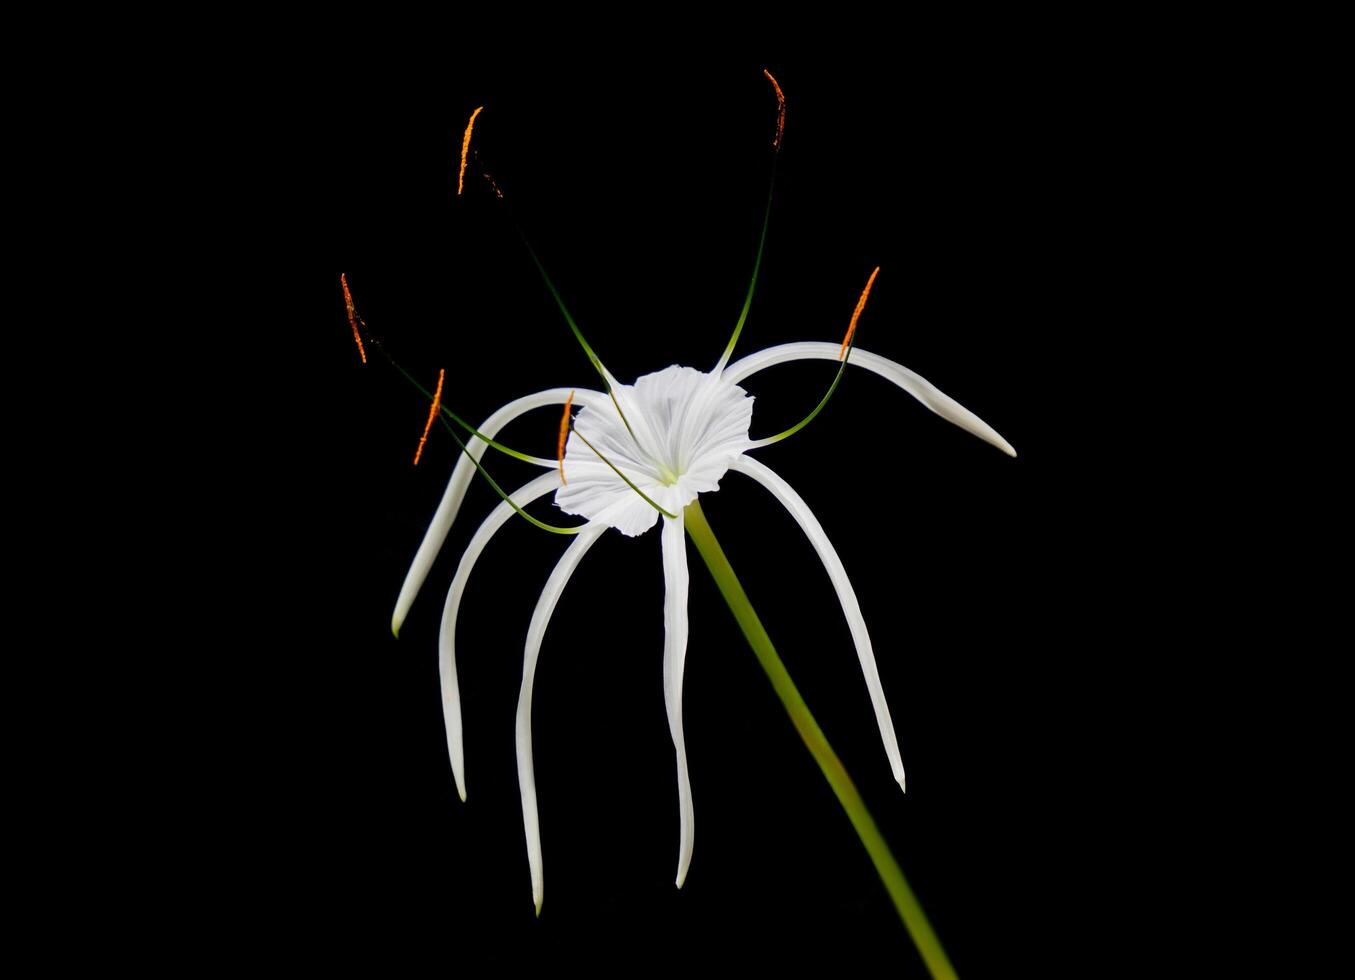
(636, 453)
(673, 434)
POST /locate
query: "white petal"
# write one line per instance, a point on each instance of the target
(594, 491)
(451, 696)
(916, 385)
(792, 501)
(460, 481)
(535, 633)
(674, 658)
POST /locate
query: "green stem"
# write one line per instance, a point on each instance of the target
(909, 909)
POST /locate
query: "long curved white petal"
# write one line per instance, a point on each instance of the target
(535, 633)
(460, 481)
(792, 501)
(675, 581)
(451, 694)
(916, 385)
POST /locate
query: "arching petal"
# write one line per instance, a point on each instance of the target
(451, 695)
(674, 659)
(792, 501)
(460, 481)
(916, 385)
(535, 633)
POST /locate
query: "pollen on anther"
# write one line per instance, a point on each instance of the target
(780, 110)
(352, 315)
(488, 177)
(856, 313)
(564, 434)
(432, 414)
(465, 148)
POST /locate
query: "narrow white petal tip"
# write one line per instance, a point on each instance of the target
(903, 786)
(537, 900)
(461, 791)
(682, 876)
(395, 627)
(996, 441)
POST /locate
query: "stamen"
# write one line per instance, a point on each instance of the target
(446, 413)
(507, 451)
(555, 293)
(564, 310)
(780, 111)
(432, 414)
(617, 405)
(762, 239)
(860, 305)
(578, 335)
(623, 476)
(845, 356)
(352, 315)
(465, 148)
(564, 434)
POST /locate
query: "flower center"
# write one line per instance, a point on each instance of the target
(685, 427)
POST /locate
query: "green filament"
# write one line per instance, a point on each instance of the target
(837, 378)
(752, 283)
(578, 335)
(618, 472)
(553, 529)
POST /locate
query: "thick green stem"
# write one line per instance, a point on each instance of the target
(910, 911)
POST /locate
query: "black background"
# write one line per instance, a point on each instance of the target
(981, 179)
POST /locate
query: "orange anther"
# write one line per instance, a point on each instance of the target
(352, 315)
(780, 110)
(465, 148)
(564, 434)
(432, 414)
(860, 305)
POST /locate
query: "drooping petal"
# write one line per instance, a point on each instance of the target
(451, 696)
(535, 633)
(799, 510)
(674, 659)
(916, 385)
(460, 481)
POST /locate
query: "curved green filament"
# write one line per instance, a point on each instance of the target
(507, 499)
(623, 476)
(837, 378)
(488, 441)
(752, 283)
(905, 902)
(564, 310)
(578, 334)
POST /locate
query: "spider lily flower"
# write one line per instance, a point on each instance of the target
(673, 435)
(640, 454)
